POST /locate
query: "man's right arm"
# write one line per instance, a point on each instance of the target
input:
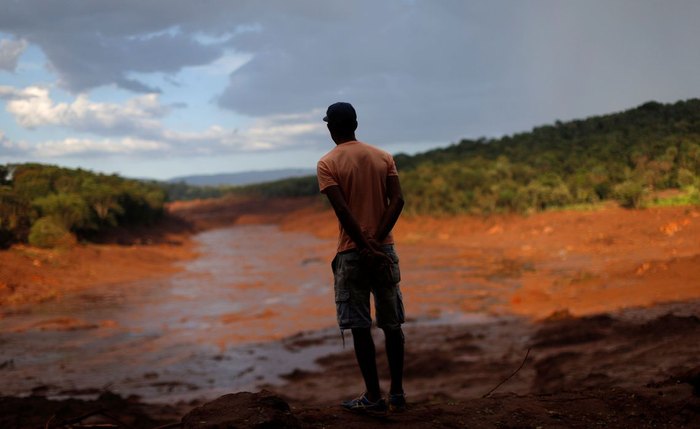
(393, 210)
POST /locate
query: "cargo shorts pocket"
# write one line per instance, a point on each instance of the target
(341, 288)
(342, 305)
(394, 267)
(401, 313)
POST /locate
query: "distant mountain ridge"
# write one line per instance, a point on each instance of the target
(242, 178)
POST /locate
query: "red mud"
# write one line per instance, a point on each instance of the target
(583, 262)
(616, 293)
(29, 274)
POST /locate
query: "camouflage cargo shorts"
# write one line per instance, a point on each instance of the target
(353, 284)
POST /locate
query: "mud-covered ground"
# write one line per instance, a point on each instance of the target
(572, 364)
(636, 368)
(606, 302)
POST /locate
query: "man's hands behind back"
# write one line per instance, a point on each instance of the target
(376, 262)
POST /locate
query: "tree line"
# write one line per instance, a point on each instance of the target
(47, 205)
(623, 156)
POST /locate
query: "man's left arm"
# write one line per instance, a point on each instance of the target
(345, 216)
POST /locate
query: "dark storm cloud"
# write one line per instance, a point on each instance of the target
(89, 44)
(416, 70)
(441, 70)
(104, 60)
(93, 43)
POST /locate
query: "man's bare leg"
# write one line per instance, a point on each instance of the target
(394, 341)
(366, 359)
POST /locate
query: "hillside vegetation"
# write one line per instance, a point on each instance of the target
(47, 205)
(623, 156)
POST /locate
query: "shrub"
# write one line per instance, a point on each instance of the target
(629, 193)
(48, 232)
(69, 209)
(686, 177)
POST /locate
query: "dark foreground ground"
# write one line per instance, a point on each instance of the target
(637, 368)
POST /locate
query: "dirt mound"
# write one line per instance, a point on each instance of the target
(669, 324)
(603, 407)
(605, 351)
(573, 331)
(262, 410)
(609, 408)
(108, 409)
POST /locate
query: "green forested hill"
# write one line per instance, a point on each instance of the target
(622, 155)
(49, 205)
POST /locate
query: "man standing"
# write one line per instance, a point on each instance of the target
(362, 184)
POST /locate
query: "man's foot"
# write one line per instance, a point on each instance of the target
(397, 402)
(362, 404)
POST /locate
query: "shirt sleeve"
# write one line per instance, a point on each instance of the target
(392, 167)
(324, 176)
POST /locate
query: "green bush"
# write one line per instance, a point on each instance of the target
(630, 193)
(69, 209)
(686, 178)
(693, 193)
(48, 232)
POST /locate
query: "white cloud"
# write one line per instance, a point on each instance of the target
(135, 127)
(33, 107)
(10, 148)
(10, 51)
(74, 146)
(280, 131)
(77, 146)
(264, 134)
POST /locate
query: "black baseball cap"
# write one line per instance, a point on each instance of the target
(340, 112)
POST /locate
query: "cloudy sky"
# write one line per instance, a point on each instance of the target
(162, 88)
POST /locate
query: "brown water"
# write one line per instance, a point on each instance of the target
(211, 329)
(202, 332)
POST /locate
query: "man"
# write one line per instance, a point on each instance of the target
(362, 184)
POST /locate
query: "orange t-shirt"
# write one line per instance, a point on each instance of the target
(360, 170)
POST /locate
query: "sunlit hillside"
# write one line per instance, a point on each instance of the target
(625, 156)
